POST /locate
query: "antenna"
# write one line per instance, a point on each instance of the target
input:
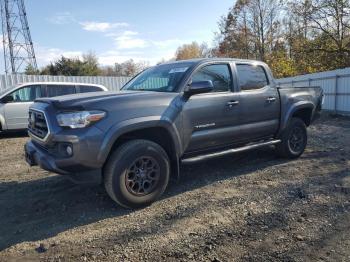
(17, 42)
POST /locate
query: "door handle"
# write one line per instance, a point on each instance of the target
(271, 99)
(232, 103)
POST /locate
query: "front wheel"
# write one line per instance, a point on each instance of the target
(293, 139)
(137, 173)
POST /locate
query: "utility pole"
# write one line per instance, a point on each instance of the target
(17, 42)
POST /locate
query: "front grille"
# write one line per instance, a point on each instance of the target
(37, 124)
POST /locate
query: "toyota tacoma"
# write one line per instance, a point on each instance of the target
(135, 140)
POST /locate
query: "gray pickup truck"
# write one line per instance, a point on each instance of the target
(134, 141)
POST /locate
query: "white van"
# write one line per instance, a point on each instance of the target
(15, 102)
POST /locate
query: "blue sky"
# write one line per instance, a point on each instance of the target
(119, 30)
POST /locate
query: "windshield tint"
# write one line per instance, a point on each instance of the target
(161, 78)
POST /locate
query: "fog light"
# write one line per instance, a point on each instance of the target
(69, 150)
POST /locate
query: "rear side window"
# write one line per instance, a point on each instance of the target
(218, 74)
(251, 77)
(60, 90)
(86, 89)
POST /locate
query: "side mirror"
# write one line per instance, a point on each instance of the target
(7, 99)
(199, 87)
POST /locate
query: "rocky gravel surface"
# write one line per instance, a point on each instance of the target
(244, 207)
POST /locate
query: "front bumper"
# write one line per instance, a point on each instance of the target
(81, 162)
(72, 168)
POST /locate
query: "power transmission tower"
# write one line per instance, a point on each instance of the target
(17, 42)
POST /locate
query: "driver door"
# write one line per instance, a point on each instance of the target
(210, 119)
(16, 111)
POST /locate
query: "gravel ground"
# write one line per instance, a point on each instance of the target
(245, 207)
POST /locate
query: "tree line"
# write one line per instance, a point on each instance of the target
(88, 65)
(293, 37)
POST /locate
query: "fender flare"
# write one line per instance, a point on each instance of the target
(135, 124)
(294, 108)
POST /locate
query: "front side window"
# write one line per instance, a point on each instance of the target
(219, 75)
(251, 77)
(26, 94)
(161, 78)
(60, 90)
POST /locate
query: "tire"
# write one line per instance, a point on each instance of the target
(294, 139)
(137, 173)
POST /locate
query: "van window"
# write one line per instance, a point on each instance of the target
(86, 89)
(26, 94)
(60, 90)
(251, 77)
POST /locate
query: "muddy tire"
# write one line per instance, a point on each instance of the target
(294, 139)
(137, 173)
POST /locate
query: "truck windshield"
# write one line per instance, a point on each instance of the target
(161, 78)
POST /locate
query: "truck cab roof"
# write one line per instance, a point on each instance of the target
(198, 61)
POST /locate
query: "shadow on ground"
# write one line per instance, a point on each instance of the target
(43, 208)
(13, 134)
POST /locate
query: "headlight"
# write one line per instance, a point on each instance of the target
(79, 119)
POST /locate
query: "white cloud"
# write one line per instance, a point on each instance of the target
(151, 55)
(117, 34)
(101, 26)
(130, 33)
(126, 44)
(128, 40)
(61, 18)
(45, 55)
(168, 43)
(112, 56)
(132, 45)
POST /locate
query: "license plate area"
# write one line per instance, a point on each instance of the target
(29, 158)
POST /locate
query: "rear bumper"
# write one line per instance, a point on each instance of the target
(70, 167)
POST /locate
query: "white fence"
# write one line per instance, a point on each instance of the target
(112, 83)
(335, 85)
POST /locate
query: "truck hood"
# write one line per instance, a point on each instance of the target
(85, 100)
(119, 106)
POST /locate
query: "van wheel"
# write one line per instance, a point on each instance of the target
(294, 139)
(137, 173)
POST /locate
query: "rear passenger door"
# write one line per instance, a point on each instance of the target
(259, 105)
(59, 90)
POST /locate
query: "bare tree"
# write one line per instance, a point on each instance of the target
(332, 18)
(193, 50)
(250, 29)
(264, 20)
(326, 30)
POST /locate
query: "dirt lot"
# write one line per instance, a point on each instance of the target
(246, 207)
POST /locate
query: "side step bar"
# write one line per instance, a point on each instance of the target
(229, 151)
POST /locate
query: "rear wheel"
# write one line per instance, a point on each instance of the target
(137, 173)
(294, 139)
